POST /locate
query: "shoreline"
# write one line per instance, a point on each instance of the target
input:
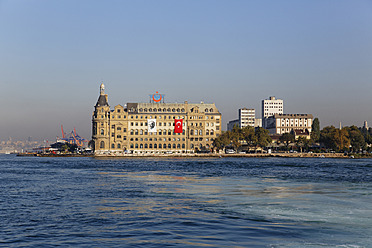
(211, 155)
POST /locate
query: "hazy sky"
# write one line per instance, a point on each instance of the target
(316, 55)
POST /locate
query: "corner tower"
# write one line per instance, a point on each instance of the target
(101, 122)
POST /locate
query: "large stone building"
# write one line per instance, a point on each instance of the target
(154, 127)
(299, 124)
(270, 107)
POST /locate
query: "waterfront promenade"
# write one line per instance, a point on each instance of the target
(198, 155)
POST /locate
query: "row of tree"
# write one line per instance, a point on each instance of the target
(252, 137)
(347, 139)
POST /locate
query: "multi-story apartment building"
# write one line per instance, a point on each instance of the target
(270, 107)
(154, 127)
(246, 118)
(285, 123)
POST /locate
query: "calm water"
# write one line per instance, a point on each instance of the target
(228, 202)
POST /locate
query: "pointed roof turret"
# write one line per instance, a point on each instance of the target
(102, 100)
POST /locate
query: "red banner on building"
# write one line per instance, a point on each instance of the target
(178, 125)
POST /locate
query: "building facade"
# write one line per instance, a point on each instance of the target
(247, 117)
(154, 127)
(287, 123)
(270, 107)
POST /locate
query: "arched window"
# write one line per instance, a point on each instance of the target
(169, 146)
(136, 132)
(211, 110)
(212, 132)
(192, 146)
(102, 144)
(159, 145)
(141, 145)
(155, 146)
(131, 145)
(207, 132)
(195, 132)
(200, 132)
(183, 146)
(191, 132)
(146, 146)
(178, 146)
(102, 132)
(141, 132)
(169, 132)
(206, 110)
(136, 145)
(150, 146)
(112, 145)
(119, 146)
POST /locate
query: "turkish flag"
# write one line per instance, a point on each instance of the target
(178, 125)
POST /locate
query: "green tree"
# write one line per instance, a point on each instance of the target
(287, 138)
(262, 137)
(357, 140)
(300, 142)
(248, 134)
(341, 139)
(315, 130)
(327, 135)
(221, 141)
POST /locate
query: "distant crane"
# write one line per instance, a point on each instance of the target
(73, 138)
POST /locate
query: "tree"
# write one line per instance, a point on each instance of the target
(327, 137)
(248, 134)
(300, 142)
(357, 140)
(315, 130)
(341, 139)
(287, 138)
(236, 137)
(262, 137)
(221, 141)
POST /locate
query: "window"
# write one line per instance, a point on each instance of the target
(102, 144)
(102, 132)
(119, 146)
(169, 146)
(159, 145)
(119, 128)
(112, 145)
(200, 132)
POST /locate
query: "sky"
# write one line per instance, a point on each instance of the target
(315, 55)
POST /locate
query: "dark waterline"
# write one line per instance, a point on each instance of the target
(229, 202)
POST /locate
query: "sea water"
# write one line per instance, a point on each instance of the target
(177, 202)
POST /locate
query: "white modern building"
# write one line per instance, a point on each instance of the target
(246, 118)
(270, 107)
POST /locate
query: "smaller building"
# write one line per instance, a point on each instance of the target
(270, 107)
(247, 117)
(231, 124)
(287, 123)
